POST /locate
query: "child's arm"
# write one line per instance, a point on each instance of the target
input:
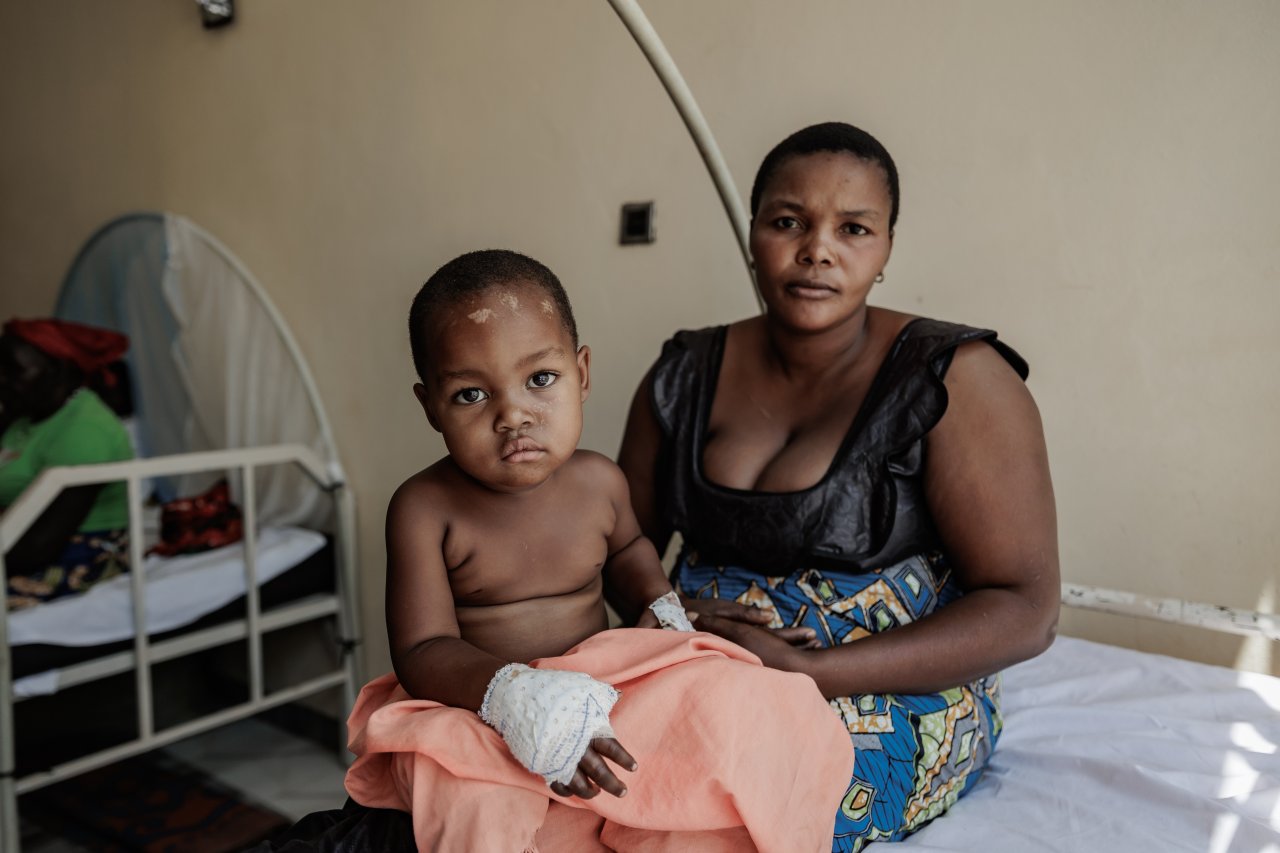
(633, 571)
(432, 661)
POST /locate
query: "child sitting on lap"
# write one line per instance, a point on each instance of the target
(496, 559)
(495, 553)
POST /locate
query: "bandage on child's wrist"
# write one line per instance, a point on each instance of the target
(548, 717)
(670, 612)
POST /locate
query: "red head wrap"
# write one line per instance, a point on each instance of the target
(87, 347)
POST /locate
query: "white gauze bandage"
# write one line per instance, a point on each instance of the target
(670, 613)
(548, 717)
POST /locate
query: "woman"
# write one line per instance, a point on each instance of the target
(863, 495)
(51, 419)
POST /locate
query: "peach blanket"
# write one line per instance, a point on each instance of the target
(732, 756)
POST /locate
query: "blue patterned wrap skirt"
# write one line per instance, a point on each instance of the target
(915, 754)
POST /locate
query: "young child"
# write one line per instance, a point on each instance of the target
(497, 557)
(496, 552)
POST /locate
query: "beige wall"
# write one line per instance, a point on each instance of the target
(1096, 180)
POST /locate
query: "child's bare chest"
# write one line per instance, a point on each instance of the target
(554, 549)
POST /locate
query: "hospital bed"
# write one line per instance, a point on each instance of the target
(221, 391)
(1111, 749)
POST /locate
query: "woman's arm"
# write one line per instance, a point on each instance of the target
(639, 458)
(988, 487)
(44, 541)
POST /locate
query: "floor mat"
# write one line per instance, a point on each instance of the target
(152, 803)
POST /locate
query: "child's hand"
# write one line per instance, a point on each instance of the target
(670, 612)
(648, 619)
(546, 717)
(593, 773)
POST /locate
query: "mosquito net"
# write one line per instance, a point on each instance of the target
(212, 363)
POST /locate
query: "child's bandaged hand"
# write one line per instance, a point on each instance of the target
(593, 771)
(670, 613)
(556, 723)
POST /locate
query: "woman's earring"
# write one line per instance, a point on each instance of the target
(879, 277)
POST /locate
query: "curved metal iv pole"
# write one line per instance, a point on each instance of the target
(647, 38)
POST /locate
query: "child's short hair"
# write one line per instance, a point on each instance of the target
(473, 273)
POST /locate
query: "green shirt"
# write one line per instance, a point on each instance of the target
(82, 432)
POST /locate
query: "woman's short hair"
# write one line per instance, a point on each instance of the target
(830, 136)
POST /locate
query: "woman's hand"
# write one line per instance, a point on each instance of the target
(771, 646)
(732, 611)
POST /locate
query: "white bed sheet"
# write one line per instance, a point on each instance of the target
(1108, 749)
(179, 590)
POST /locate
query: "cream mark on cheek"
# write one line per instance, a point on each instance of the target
(541, 409)
(480, 316)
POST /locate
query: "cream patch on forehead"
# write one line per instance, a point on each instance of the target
(509, 299)
(480, 316)
(548, 308)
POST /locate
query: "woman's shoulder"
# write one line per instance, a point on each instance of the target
(687, 343)
(933, 343)
(917, 376)
(687, 362)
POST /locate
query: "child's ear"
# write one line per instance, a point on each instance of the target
(584, 370)
(420, 391)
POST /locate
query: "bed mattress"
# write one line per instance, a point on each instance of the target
(181, 592)
(1108, 749)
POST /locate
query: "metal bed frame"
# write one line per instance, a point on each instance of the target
(1214, 617)
(342, 606)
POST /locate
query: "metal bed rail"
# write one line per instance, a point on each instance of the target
(1214, 617)
(343, 606)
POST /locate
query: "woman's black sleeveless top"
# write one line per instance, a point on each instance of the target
(868, 511)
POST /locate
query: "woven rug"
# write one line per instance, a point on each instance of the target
(151, 803)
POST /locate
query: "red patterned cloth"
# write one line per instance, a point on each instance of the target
(201, 523)
(87, 347)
